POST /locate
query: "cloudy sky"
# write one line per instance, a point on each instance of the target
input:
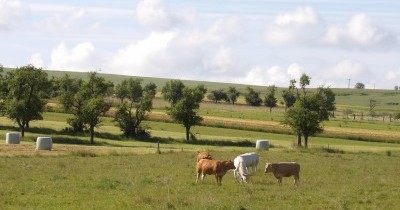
(260, 42)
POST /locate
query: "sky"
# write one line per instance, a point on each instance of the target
(256, 42)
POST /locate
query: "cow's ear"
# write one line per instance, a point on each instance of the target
(198, 152)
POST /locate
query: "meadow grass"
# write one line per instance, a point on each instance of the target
(167, 181)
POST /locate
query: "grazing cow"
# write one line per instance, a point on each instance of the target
(251, 160)
(216, 167)
(240, 171)
(284, 169)
(203, 155)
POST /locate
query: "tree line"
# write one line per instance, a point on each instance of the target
(25, 91)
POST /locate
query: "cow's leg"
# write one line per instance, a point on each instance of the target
(296, 179)
(236, 174)
(202, 176)
(280, 180)
(197, 177)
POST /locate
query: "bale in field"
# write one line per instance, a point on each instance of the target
(216, 167)
(284, 169)
(203, 155)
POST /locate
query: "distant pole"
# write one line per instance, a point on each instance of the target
(349, 83)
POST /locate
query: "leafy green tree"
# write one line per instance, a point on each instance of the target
(270, 99)
(185, 110)
(92, 111)
(131, 113)
(233, 95)
(218, 95)
(122, 90)
(359, 85)
(252, 97)
(173, 91)
(24, 102)
(309, 111)
(289, 96)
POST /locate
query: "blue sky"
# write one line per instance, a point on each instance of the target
(260, 42)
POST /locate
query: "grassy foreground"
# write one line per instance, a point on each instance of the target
(84, 180)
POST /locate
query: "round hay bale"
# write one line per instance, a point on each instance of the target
(262, 145)
(13, 138)
(44, 143)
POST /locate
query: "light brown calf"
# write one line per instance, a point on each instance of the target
(216, 167)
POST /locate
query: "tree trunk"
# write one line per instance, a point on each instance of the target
(299, 140)
(22, 128)
(306, 141)
(187, 133)
(91, 130)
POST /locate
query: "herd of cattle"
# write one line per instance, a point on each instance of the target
(206, 165)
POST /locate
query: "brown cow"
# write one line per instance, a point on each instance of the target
(284, 169)
(203, 155)
(216, 167)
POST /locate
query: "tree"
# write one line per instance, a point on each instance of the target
(122, 90)
(3, 91)
(92, 111)
(85, 100)
(270, 99)
(289, 97)
(372, 104)
(309, 110)
(218, 95)
(359, 85)
(233, 94)
(131, 113)
(185, 110)
(26, 88)
(252, 97)
(173, 91)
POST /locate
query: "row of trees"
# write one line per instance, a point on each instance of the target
(25, 91)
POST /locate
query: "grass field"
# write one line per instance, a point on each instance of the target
(354, 164)
(92, 180)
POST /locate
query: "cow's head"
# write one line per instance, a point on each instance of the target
(268, 167)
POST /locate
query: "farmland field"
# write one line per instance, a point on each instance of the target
(353, 164)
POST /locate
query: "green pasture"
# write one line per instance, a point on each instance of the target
(167, 181)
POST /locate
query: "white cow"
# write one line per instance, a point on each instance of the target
(242, 162)
(251, 159)
(240, 171)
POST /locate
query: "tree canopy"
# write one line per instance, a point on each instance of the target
(25, 94)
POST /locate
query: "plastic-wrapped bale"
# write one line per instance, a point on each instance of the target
(44, 143)
(13, 138)
(262, 145)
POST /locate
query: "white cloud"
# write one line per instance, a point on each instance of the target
(223, 61)
(37, 60)
(301, 26)
(274, 75)
(11, 12)
(141, 57)
(82, 57)
(154, 15)
(359, 31)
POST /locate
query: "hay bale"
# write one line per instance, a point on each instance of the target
(262, 145)
(13, 138)
(44, 143)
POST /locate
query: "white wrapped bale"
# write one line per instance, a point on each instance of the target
(44, 143)
(13, 138)
(262, 145)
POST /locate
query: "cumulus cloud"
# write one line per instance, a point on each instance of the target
(82, 57)
(153, 14)
(359, 31)
(275, 75)
(37, 60)
(142, 57)
(11, 12)
(301, 26)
